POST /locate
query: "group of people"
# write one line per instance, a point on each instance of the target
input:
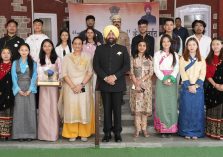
(92, 61)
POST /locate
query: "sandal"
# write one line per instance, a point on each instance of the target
(194, 138)
(136, 134)
(145, 133)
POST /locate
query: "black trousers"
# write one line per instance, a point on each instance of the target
(112, 105)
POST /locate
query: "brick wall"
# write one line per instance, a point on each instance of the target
(20, 10)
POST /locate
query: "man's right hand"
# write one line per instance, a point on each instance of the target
(109, 80)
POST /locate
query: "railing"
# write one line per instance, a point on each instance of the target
(97, 120)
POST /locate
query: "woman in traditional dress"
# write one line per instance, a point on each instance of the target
(191, 109)
(6, 94)
(64, 44)
(141, 92)
(89, 47)
(24, 77)
(77, 99)
(166, 68)
(48, 121)
(214, 90)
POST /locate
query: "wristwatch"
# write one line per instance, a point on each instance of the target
(197, 86)
(82, 84)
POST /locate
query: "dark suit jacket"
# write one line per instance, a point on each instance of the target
(111, 60)
(13, 44)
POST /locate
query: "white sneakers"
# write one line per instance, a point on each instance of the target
(72, 139)
(83, 139)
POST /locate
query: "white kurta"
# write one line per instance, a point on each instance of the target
(204, 44)
(35, 41)
(59, 50)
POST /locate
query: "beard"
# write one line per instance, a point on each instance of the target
(111, 41)
(90, 27)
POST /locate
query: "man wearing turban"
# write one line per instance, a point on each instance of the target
(111, 62)
(148, 17)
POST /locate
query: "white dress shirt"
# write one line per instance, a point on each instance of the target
(35, 41)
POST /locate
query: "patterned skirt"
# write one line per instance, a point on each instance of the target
(214, 125)
(5, 123)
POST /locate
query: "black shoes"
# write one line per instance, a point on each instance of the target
(107, 137)
(118, 138)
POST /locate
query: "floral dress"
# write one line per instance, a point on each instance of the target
(141, 102)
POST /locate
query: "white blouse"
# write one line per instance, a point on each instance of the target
(59, 50)
(165, 65)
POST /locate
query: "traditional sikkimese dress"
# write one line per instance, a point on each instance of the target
(24, 114)
(214, 100)
(191, 109)
(165, 108)
(6, 100)
(48, 124)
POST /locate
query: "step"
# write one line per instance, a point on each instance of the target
(131, 130)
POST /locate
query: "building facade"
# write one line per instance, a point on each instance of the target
(21, 11)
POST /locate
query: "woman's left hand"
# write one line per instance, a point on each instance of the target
(27, 93)
(78, 88)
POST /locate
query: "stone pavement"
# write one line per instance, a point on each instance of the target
(153, 141)
(127, 134)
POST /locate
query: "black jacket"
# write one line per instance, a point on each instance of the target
(13, 44)
(111, 60)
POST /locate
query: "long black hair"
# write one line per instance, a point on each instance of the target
(42, 54)
(29, 59)
(210, 56)
(147, 51)
(170, 49)
(94, 37)
(68, 41)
